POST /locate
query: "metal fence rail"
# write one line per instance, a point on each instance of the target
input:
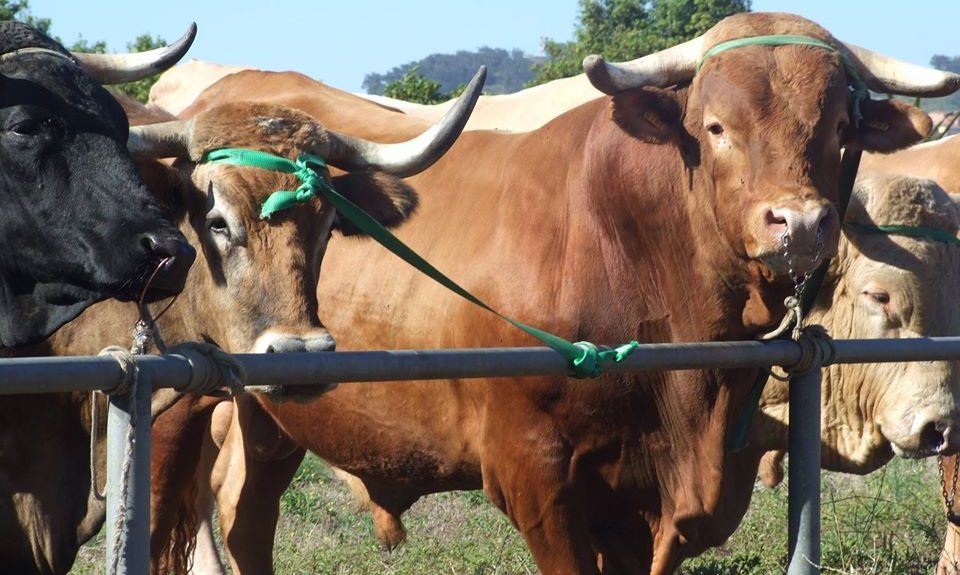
(64, 374)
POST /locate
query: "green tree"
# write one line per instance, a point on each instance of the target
(628, 29)
(141, 88)
(413, 87)
(20, 10)
(507, 71)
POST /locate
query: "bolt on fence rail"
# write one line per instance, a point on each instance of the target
(64, 374)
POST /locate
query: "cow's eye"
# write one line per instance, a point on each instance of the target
(36, 127)
(216, 224)
(878, 297)
(715, 128)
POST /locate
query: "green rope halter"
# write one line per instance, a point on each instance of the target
(858, 88)
(585, 359)
(910, 231)
(305, 168)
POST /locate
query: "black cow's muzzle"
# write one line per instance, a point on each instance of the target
(167, 263)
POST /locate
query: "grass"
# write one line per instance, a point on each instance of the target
(887, 523)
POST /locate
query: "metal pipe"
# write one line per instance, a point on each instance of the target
(804, 480)
(46, 375)
(128, 537)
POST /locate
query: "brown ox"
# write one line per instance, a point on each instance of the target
(653, 215)
(253, 289)
(880, 286)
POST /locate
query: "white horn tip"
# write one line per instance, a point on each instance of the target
(950, 84)
(599, 74)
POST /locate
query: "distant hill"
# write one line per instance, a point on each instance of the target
(506, 71)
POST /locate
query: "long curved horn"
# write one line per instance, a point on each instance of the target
(121, 68)
(661, 69)
(891, 76)
(413, 156)
(164, 140)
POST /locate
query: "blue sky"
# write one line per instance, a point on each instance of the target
(339, 42)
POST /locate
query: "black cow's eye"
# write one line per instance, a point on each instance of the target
(36, 127)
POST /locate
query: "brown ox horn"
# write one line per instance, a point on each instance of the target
(661, 69)
(413, 156)
(121, 68)
(164, 140)
(890, 76)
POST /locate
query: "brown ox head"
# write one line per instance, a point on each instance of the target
(255, 289)
(764, 126)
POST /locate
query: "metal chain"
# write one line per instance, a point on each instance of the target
(949, 496)
(793, 319)
(799, 280)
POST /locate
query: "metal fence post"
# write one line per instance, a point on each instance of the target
(128, 542)
(804, 474)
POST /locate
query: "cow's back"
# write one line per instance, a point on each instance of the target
(938, 160)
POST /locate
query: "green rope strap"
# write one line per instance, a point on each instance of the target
(585, 358)
(858, 89)
(911, 231)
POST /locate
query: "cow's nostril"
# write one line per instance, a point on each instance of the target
(933, 435)
(270, 349)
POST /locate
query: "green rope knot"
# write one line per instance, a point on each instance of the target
(307, 168)
(312, 185)
(593, 362)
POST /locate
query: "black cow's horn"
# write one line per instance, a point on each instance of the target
(661, 69)
(121, 68)
(164, 140)
(413, 156)
(891, 76)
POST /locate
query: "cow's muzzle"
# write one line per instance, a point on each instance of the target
(174, 256)
(283, 341)
(796, 238)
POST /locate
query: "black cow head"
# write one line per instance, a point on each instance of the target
(77, 225)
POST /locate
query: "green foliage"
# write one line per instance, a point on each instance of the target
(413, 87)
(81, 44)
(628, 29)
(506, 71)
(141, 88)
(13, 10)
(10, 10)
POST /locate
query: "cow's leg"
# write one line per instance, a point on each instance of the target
(256, 464)
(533, 489)
(387, 525)
(178, 436)
(206, 556)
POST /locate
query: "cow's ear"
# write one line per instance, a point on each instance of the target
(888, 125)
(387, 198)
(653, 115)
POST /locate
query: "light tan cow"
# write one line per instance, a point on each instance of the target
(518, 112)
